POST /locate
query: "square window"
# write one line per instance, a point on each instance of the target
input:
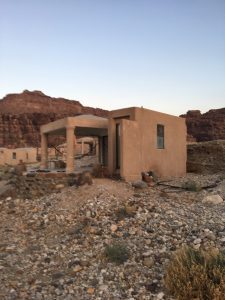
(160, 136)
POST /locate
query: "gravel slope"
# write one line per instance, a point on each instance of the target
(53, 247)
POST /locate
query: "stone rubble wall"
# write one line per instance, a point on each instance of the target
(35, 185)
(206, 157)
(205, 127)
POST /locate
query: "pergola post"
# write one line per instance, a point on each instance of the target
(100, 154)
(70, 140)
(44, 151)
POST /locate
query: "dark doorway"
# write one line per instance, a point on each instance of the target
(105, 150)
(118, 146)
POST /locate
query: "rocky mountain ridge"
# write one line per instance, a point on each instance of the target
(21, 116)
(205, 127)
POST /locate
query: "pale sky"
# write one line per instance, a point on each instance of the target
(165, 55)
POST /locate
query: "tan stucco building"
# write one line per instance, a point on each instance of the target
(131, 141)
(14, 156)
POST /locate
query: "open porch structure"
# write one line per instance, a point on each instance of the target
(131, 141)
(72, 127)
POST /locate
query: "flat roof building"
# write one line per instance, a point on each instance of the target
(132, 140)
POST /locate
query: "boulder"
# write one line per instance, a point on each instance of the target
(6, 189)
(20, 168)
(84, 178)
(213, 199)
(59, 186)
(139, 184)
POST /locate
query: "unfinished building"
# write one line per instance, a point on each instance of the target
(131, 140)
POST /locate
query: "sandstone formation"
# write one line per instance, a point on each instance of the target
(21, 116)
(206, 157)
(205, 127)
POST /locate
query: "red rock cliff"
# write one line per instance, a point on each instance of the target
(205, 127)
(21, 116)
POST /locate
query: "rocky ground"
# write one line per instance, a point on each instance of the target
(54, 247)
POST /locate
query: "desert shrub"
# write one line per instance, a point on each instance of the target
(125, 212)
(191, 185)
(117, 253)
(121, 213)
(195, 274)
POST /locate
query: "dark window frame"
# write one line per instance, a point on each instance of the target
(14, 155)
(118, 146)
(160, 136)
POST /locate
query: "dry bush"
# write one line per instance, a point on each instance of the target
(192, 186)
(195, 274)
(125, 211)
(117, 253)
(100, 171)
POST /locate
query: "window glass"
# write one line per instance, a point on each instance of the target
(160, 136)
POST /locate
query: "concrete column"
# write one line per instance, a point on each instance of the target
(70, 140)
(96, 143)
(100, 150)
(44, 151)
(111, 146)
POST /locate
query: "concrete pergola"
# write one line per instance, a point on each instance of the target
(83, 125)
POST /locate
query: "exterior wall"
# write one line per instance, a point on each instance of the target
(139, 144)
(130, 150)
(27, 155)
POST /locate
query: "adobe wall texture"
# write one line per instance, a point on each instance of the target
(28, 155)
(131, 152)
(139, 144)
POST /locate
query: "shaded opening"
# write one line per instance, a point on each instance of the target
(91, 148)
(118, 146)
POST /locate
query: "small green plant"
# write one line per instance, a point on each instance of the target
(191, 186)
(117, 253)
(196, 274)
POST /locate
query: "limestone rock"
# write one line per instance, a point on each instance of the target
(139, 184)
(213, 199)
(113, 227)
(59, 186)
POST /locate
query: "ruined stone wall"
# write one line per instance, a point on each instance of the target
(39, 184)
